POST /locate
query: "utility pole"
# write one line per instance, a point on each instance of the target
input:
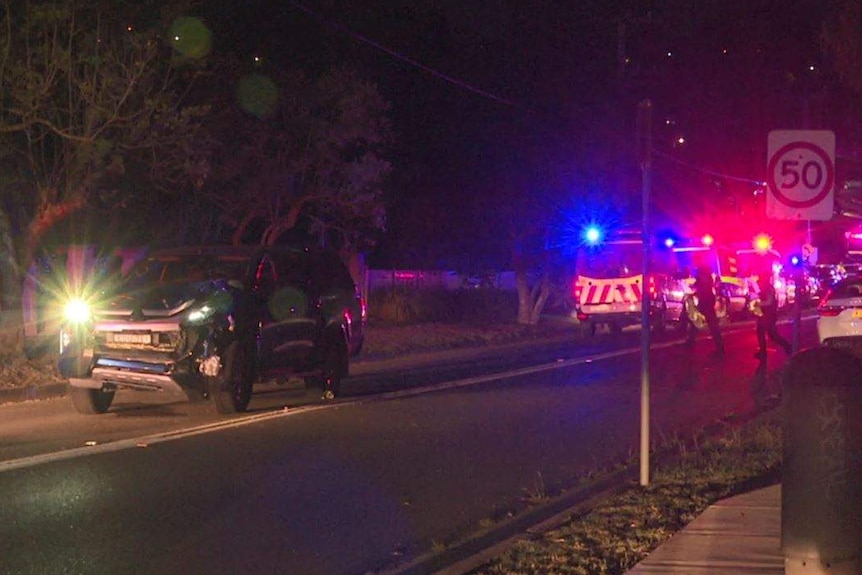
(644, 136)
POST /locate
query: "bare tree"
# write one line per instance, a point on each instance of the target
(842, 41)
(305, 152)
(91, 91)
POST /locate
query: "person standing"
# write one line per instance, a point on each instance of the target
(767, 321)
(704, 289)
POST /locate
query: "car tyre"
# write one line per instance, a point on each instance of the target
(230, 390)
(91, 401)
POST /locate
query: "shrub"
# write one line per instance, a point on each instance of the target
(402, 306)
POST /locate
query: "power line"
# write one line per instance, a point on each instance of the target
(709, 172)
(399, 56)
(484, 93)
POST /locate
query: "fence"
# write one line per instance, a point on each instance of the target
(429, 279)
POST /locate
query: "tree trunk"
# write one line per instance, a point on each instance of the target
(11, 287)
(541, 291)
(531, 299)
(526, 294)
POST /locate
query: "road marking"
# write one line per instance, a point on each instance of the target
(138, 442)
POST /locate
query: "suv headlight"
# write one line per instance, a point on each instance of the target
(77, 311)
(203, 311)
(201, 314)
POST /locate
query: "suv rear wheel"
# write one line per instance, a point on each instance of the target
(230, 390)
(90, 401)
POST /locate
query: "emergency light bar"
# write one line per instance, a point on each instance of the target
(692, 249)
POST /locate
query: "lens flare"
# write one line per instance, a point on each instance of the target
(593, 234)
(77, 311)
(190, 37)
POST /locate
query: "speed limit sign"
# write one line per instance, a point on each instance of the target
(800, 174)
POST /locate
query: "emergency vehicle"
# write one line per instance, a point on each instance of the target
(691, 256)
(746, 264)
(609, 284)
(736, 268)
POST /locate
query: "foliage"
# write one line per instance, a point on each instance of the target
(842, 42)
(389, 340)
(402, 306)
(91, 111)
(306, 157)
(625, 528)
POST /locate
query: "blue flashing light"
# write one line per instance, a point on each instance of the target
(593, 235)
(795, 260)
(669, 242)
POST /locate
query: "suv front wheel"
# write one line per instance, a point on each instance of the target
(230, 390)
(90, 401)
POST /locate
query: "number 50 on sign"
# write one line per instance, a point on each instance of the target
(800, 172)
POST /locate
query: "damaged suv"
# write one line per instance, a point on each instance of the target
(213, 321)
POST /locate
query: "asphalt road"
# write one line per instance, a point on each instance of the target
(418, 456)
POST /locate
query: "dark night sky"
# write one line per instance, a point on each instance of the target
(723, 72)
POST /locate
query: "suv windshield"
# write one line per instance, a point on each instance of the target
(188, 267)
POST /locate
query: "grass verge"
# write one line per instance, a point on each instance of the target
(383, 341)
(623, 529)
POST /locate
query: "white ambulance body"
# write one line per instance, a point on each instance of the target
(609, 285)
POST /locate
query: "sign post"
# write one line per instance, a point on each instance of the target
(800, 172)
(645, 153)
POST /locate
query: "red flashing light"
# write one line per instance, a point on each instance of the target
(826, 310)
(762, 243)
(707, 240)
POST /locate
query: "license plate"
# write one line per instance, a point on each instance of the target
(132, 338)
(857, 314)
(599, 308)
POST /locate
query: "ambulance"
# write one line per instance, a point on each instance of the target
(609, 283)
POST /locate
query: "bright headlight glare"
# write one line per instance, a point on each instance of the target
(77, 311)
(201, 314)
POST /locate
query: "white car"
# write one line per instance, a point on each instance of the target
(840, 313)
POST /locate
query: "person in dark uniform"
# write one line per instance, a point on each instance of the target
(767, 321)
(704, 289)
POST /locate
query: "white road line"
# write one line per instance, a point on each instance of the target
(145, 441)
(148, 440)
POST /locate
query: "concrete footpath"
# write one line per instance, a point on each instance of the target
(740, 535)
